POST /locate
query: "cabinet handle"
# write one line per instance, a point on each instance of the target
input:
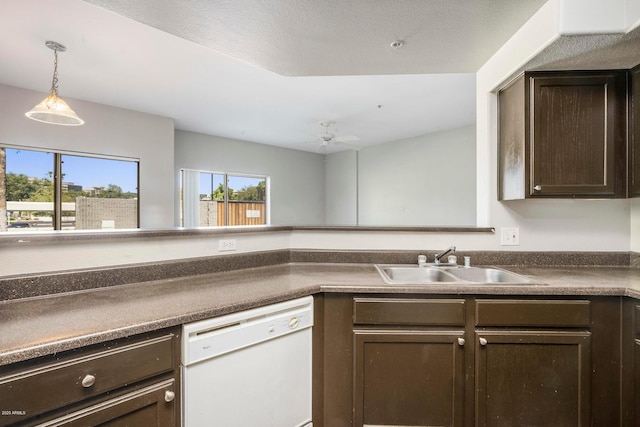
(538, 187)
(483, 341)
(460, 341)
(169, 396)
(88, 381)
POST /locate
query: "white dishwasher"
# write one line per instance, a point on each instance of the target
(251, 368)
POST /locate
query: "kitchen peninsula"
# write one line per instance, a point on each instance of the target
(38, 326)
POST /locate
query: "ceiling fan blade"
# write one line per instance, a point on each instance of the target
(346, 138)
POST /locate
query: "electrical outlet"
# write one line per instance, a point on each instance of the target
(510, 236)
(227, 245)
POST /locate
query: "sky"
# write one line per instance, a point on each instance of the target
(96, 172)
(85, 171)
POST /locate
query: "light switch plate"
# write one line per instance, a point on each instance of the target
(510, 236)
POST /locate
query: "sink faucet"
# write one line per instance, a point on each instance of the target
(443, 253)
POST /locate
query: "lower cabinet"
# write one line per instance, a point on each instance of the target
(409, 378)
(532, 378)
(409, 362)
(417, 361)
(636, 380)
(148, 406)
(128, 382)
(532, 362)
(631, 364)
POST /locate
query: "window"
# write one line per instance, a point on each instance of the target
(212, 199)
(63, 191)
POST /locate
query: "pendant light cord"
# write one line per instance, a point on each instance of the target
(54, 82)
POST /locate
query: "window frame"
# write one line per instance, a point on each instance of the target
(57, 177)
(225, 185)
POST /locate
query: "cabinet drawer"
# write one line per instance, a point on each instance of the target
(150, 406)
(537, 313)
(54, 385)
(387, 311)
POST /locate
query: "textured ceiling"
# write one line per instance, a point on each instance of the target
(602, 51)
(340, 37)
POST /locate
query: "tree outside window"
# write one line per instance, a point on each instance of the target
(224, 199)
(88, 194)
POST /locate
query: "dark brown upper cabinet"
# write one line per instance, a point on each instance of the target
(563, 134)
(634, 132)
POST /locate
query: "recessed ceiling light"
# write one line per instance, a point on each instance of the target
(397, 44)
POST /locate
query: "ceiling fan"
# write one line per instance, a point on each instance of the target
(328, 138)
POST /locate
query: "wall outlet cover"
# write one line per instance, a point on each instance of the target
(227, 245)
(510, 236)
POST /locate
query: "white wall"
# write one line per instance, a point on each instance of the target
(598, 16)
(599, 225)
(296, 177)
(18, 258)
(108, 131)
(95, 253)
(635, 225)
(429, 180)
(341, 188)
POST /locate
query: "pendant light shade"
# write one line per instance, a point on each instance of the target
(53, 109)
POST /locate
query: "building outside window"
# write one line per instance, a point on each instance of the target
(49, 190)
(212, 199)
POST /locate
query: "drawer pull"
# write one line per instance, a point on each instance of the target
(169, 396)
(460, 342)
(88, 381)
(483, 341)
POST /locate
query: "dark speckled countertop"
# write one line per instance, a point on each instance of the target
(42, 325)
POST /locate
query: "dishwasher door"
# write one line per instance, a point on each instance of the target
(250, 369)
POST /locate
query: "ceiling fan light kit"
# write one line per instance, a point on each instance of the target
(53, 109)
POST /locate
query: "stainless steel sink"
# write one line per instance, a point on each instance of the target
(488, 275)
(404, 274)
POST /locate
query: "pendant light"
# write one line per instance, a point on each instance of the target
(53, 109)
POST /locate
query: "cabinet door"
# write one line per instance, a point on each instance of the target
(578, 134)
(408, 378)
(151, 406)
(634, 132)
(529, 378)
(636, 382)
(512, 132)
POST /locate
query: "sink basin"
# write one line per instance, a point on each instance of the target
(488, 275)
(405, 274)
(414, 275)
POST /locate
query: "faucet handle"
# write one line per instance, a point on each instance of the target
(422, 260)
